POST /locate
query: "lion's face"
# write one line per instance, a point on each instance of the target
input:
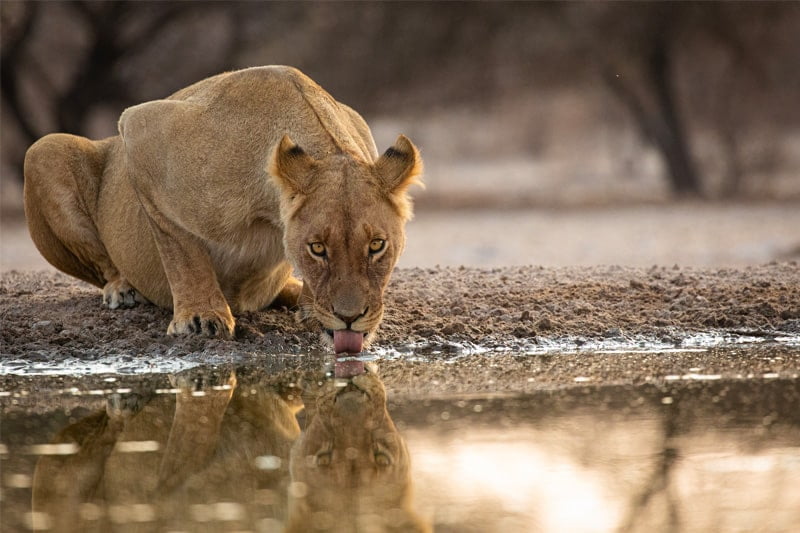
(352, 460)
(344, 225)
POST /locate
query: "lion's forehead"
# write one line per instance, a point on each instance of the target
(341, 220)
(346, 194)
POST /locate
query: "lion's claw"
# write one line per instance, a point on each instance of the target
(203, 326)
(208, 323)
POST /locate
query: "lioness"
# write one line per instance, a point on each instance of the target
(205, 201)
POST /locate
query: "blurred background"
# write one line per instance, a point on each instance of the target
(553, 133)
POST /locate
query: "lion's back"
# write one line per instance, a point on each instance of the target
(272, 78)
(283, 99)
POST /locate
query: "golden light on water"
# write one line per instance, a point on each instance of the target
(66, 448)
(137, 446)
(488, 477)
(541, 480)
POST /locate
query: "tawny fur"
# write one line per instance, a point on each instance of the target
(206, 199)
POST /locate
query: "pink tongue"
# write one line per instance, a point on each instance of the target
(345, 340)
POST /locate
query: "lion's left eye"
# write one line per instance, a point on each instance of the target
(376, 245)
(318, 249)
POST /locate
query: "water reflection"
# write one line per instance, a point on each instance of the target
(208, 454)
(696, 457)
(292, 450)
(350, 468)
(187, 456)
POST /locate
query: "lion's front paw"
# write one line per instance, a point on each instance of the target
(211, 323)
(119, 293)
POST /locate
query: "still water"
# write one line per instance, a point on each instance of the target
(269, 448)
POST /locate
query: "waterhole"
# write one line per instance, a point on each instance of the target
(659, 439)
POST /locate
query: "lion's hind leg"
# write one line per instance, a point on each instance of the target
(289, 295)
(120, 293)
(63, 176)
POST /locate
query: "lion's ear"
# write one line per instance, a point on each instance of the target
(400, 166)
(290, 167)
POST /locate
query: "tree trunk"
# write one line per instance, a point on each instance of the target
(651, 102)
(670, 135)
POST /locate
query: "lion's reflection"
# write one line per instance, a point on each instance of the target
(352, 461)
(215, 456)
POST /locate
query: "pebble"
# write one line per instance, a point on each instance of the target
(45, 326)
(453, 328)
(636, 284)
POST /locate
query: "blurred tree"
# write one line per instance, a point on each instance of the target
(63, 62)
(658, 59)
(647, 88)
(16, 29)
(684, 72)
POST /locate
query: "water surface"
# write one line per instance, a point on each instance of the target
(244, 447)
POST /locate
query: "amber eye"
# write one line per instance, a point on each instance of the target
(376, 245)
(318, 249)
(323, 459)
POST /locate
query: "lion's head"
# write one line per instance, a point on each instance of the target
(344, 229)
(350, 462)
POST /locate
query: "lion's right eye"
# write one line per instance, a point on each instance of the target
(318, 249)
(323, 459)
(376, 245)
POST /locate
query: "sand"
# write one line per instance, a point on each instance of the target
(50, 316)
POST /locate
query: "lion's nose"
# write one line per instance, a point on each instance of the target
(349, 318)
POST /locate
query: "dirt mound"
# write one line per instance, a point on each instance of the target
(48, 315)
